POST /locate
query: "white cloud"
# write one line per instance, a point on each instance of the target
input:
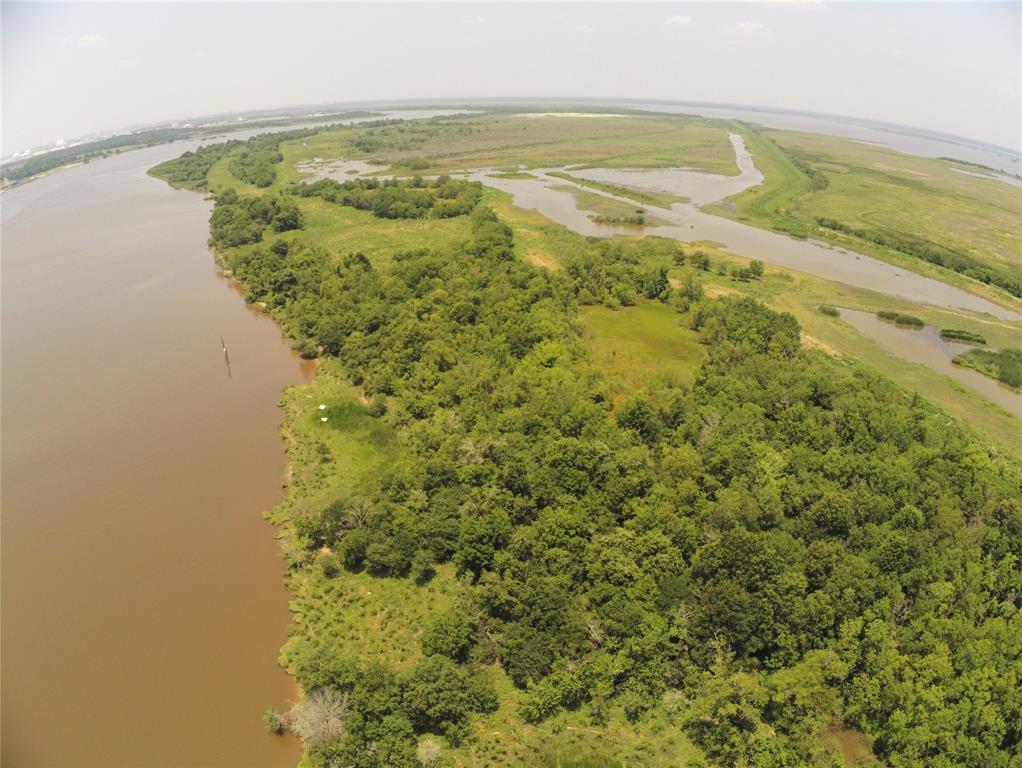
(474, 21)
(805, 3)
(678, 21)
(90, 40)
(747, 29)
(583, 29)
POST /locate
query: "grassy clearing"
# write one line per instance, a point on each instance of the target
(633, 345)
(221, 178)
(328, 459)
(570, 740)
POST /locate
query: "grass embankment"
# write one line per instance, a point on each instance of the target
(915, 212)
(520, 175)
(607, 210)
(641, 196)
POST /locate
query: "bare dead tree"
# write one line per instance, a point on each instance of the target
(595, 632)
(321, 716)
(358, 512)
(428, 752)
(709, 429)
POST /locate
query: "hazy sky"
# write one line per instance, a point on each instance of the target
(70, 69)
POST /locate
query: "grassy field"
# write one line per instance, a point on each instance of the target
(919, 200)
(503, 141)
(634, 344)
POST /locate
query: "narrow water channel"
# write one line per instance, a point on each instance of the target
(687, 223)
(925, 346)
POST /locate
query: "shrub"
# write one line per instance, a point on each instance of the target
(954, 334)
(450, 635)
(352, 548)
(378, 406)
(900, 319)
(275, 722)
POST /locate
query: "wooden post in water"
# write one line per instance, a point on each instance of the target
(227, 358)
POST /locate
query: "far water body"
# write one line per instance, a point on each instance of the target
(925, 346)
(901, 138)
(143, 597)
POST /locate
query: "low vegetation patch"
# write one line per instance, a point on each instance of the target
(1005, 365)
(644, 197)
(955, 334)
(637, 219)
(900, 318)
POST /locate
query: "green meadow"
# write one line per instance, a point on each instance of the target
(916, 212)
(530, 140)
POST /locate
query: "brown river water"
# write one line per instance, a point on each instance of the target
(143, 600)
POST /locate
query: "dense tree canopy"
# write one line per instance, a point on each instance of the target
(787, 545)
(394, 198)
(791, 542)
